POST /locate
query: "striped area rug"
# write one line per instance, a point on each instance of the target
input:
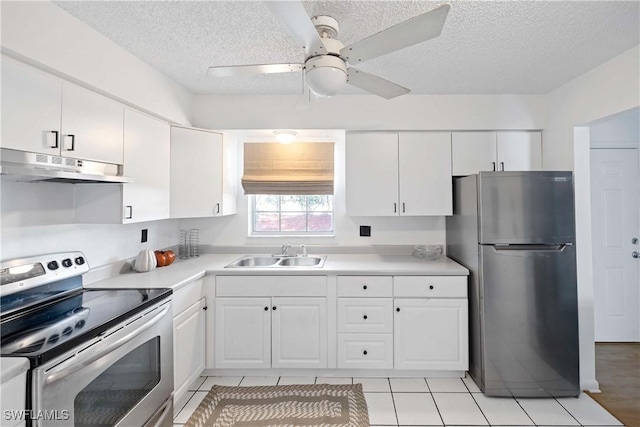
(311, 405)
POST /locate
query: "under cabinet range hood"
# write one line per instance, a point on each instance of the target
(26, 166)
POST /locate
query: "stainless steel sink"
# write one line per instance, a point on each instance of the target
(264, 261)
(308, 261)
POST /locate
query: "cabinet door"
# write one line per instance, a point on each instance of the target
(299, 338)
(242, 333)
(472, 152)
(519, 151)
(146, 160)
(92, 126)
(188, 347)
(431, 334)
(196, 173)
(425, 173)
(372, 174)
(31, 108)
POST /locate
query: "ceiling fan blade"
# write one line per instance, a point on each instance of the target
(374, 84)
(298, 24)
(415, 30)
(246, 70)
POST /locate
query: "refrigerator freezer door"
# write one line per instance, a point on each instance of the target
(529, 305)
(526, 207)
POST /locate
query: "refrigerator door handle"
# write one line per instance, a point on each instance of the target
(557, 247)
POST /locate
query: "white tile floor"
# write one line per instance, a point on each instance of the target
(432, 402)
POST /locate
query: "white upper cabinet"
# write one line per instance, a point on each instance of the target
(473, 152)
(425, 174)
(398, 174)
(31, 108)
(203, 181)
(146, 158)
(519, 151)
(91, 126)
(43, 114)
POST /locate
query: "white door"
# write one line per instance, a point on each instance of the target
(472, 152)
(92, 126)
(299, 337)
(425, 173)
(431, 334)
(519, 151)
(372, 174)
(146, 160)
(615, 221)
(31, 108)
(196, 173)
(188, 347)
(242, 333)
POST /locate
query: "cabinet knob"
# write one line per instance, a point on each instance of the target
(364, 352)
(398, 309)
(364, 317)
(274, 308)
(205, 308)
(431, 287)
(364, 287)
(266, 309)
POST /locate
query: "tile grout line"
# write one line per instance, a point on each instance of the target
(481, 411)
(568, 412)
(393, 401)
(525, 411)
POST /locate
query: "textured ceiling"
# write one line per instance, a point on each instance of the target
(486, 47)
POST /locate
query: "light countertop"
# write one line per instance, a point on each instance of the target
(182, 272)
(11, 367)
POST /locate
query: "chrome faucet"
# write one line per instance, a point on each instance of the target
(285, 249)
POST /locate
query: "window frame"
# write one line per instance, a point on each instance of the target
(280, 233)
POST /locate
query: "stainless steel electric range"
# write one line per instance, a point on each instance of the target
(98, 357)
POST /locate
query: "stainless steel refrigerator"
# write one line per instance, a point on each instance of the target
(515, 232)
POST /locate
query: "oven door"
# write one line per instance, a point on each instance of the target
(122, 378)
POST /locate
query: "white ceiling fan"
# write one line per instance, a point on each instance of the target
(325, 66)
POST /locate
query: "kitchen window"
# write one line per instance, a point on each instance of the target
(291, 214)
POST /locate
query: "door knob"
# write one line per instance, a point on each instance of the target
(635, 254)
(634, 241)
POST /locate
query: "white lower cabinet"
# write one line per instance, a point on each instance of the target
(278, 332)
(189, 337)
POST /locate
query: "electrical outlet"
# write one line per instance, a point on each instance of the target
(365, 231)
(144, 237)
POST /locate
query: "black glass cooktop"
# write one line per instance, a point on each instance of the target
(53, 328)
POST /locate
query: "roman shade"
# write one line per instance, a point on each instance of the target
(302, 168)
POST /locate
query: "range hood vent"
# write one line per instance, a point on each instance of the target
(27, 167)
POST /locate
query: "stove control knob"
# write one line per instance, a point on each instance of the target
(53, 265)
(79, 260)
(67, 262)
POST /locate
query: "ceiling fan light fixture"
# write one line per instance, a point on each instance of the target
(285, 136)
(326, 75)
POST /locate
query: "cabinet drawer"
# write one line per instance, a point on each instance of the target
(430, 286)
(271, 286)
(365, 315)
(187, 296)
(365, 351)
(364, 286)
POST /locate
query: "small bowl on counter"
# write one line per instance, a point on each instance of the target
(428, 252)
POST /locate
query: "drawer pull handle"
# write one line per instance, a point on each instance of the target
(430, 286)
(398, 309)
(364, 352)
(266, 309)
(364, 287)
(364, 317)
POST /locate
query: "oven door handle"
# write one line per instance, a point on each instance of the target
(61, 371)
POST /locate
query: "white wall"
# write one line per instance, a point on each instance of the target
(611, 88)
(37, 218)
(41, 33)
(233, 230)
(369, 112)
(608, 89)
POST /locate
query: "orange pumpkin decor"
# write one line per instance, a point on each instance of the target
(165, 258)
